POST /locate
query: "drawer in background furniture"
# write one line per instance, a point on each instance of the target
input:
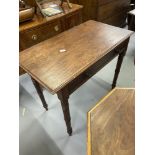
(31, 37)
(117, 20)
(111, 9)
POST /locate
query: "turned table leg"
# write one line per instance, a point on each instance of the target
(63, 97)
(40, 93)
(118, 66)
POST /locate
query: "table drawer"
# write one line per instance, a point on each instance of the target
(31, 37)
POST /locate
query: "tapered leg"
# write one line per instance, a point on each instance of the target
(63, 97)
(118, 66)
(40, 93)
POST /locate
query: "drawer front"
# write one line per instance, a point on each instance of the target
(117, 20)
(31, 37)
(113, 8)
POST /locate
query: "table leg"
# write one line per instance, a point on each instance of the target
(40, 93)
(63, 97)
(118, 67)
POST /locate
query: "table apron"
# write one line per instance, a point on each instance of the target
(92, 70)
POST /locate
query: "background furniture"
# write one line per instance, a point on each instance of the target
(111, 124)
(132, 4)
(40, 29)
(113, 12)
(131, 20)
(89, 47)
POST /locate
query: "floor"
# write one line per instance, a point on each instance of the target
(44, 133)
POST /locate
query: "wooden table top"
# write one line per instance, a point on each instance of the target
(111, 124)
(84, 44)
(39, 20)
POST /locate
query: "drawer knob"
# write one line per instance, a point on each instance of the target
(34, 37)
(56, 28)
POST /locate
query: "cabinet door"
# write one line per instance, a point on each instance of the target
(117, 20)
(114, 12)
(31, 37)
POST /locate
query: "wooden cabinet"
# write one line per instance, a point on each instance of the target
(73, 20)
(35, 35)
(40, 29)
(112, 12)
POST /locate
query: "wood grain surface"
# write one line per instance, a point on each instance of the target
(111, 124)
(84, 44)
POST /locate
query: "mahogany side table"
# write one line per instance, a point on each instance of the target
(86, 49)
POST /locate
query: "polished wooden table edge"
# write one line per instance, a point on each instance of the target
(36, 79)
(53, 91)
(89, 115)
